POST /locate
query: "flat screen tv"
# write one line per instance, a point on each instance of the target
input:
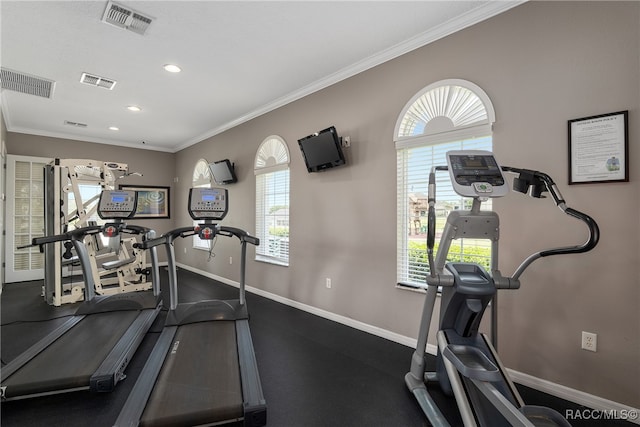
(223, 172)
(322, 150)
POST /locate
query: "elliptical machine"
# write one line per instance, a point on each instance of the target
(467, 364)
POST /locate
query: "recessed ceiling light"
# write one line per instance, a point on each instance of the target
(114, 128)
(134, 108)
(172, 68)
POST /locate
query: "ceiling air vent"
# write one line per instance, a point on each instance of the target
(25, 83)
(126, 17)
(93, 80)
(75, 124)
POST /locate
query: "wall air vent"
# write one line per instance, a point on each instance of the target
(126, 17)
(25, 83)
(75, 124)
(93, 80)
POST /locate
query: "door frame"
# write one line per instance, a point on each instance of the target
(12, 275)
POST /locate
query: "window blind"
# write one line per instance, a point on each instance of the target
(414, 164)
(272, 216)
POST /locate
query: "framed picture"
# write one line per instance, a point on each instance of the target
(599, 148)
(153, 202)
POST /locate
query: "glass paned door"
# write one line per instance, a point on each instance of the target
(25, 217)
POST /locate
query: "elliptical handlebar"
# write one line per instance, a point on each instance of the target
(594, 235)
(534, 183)
(431, 217)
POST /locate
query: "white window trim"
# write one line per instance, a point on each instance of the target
(267, 163)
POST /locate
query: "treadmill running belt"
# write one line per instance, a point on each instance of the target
(200, 380)
(70, 361)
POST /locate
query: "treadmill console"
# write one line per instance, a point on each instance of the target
(476, 173)
(117, 204)
(208, 203)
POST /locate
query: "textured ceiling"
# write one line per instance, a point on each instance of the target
(239, 59)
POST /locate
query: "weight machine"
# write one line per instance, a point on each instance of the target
(117, 266)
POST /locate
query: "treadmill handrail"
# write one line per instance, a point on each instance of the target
(76, 237)
(224, 230)
(76, 234)
(167, 240)
(134, 229)
(239, 233)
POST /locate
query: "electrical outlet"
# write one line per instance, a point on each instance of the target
(328, 283)
(185, 250)
(589, 341)
(230, 260)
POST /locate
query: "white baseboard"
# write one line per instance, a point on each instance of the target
(607, 409)
(605, 406)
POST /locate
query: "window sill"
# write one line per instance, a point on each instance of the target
(411, 288)
(273, 261)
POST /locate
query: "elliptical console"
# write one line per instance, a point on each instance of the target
(476, 174)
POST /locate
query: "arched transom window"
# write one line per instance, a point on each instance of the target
(201, 174)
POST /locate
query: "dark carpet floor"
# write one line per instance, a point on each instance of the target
(314, 372)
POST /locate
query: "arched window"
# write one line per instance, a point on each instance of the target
(272, 201)
(447, 115)
(201, 178)
(201, 174)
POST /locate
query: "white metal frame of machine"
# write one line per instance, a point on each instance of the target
(63, 177)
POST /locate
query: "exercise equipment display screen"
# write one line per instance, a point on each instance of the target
(117, 204)
(476, 173)
(208, 203)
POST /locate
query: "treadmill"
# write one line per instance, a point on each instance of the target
(93, 347)
(202, 370)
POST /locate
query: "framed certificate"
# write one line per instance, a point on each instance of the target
(599, 148)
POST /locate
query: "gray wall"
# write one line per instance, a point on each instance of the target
(542, 63)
